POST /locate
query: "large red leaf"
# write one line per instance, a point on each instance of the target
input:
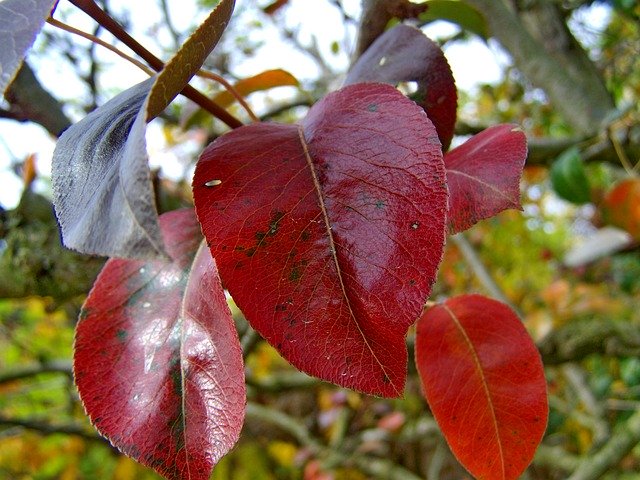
(405, 54)
(329, 234)
(483, 175)
(484, 381)
(157, 359)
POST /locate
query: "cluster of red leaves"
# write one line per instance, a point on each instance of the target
(328, 235)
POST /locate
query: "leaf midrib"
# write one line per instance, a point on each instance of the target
(485, 386)
(484, 184)
(332, 246)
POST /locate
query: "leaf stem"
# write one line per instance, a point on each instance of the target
(99, 41)
(624, 160)
(231, 89)
(94, 11)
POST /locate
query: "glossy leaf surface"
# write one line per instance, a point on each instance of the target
(20, 22)
(101, 181)
(262, 81)
(483, 175)
(484, 381)
(405, 54)
(329, 234)
(157, 359)
(569, 177)
(621, 206)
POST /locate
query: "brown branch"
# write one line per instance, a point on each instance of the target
(26, 371)
(100, 16)
(50, 429)
(29, 101)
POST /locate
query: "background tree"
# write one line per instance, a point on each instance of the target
(573, 282)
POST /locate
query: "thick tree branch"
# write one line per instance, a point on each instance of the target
(584, 105)
(29, 101)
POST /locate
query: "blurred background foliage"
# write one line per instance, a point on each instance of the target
(569, 263)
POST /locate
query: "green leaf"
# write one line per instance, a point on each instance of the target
(460, 13)
(20, 22)
(569, 179)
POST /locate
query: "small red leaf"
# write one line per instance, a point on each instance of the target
(484, 381)
(329, 234)
(405, 54)
(621, 206)
(157, 359)
(483, 175)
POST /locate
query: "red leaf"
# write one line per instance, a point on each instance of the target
(405, 54)
(329, 234)
(484, 381)
(483, 175)
(157, 358)
(621, 206)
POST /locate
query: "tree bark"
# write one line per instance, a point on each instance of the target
(29, 101)
(551, 60)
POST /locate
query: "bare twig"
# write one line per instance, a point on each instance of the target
(48, 428)
(100, 16)
(164, 8)
(371, 466)
(577, 380)
(481, 272)
(282, 381)
(26, 371)
(99, 41)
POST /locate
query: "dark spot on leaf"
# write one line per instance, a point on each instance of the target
(122, 335)
(239, 265)
(281, 307)
(250, 252)
(279, 346)
(260, 237)
(238, 248)
(288, 336)
(295, 274)
(372, 107)
(380, 204)
(306, 235)
(386, 379)
(273, 224)
(412, 282)
(290, 301)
